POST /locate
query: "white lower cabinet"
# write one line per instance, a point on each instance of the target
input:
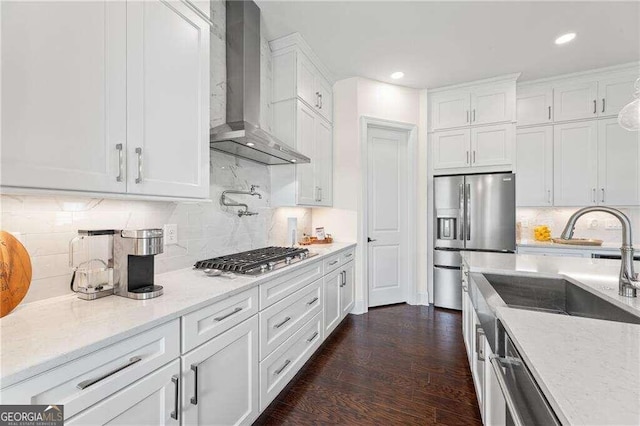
(332, 308)
(152, 400)
(220, 379)
(348, 289)
(494, 405)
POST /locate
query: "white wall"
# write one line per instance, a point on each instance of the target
(355, 98)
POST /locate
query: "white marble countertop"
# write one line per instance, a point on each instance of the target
(38, 336)
(613, 247)
(588, 369)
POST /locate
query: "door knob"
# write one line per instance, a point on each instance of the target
(369, 240)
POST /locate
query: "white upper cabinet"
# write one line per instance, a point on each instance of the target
(485, 103)
(575, 171)
(615, 92)
(451, 149)
(124, 108)
(167, 99)
(302, 114)
(64, 95)
(450, 109)
(534, 166)
(493, 103)
(491, 145)
(618, 165)
(575, 100)
(534, 105)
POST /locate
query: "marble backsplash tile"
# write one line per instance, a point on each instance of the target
(592, 225)
(46, 224)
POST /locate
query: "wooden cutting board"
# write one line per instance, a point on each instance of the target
(15, 272)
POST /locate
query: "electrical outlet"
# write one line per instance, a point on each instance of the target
(524, 223)
(170, 234)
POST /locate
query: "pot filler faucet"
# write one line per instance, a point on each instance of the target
(225, 202)
(629, 280)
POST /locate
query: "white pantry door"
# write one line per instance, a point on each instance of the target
(388, 178)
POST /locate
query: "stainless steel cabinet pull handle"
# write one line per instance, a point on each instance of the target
(194, 398)
(508, 398)
(317, 99)
(333, 263)
(467, 116)
(120, 162)
(319, 194)
(86, 383)
(320, 100)
(593, 197)
(602, 195)
(349, 255)
(312, 301)
(281, 369)
(176, 400)
(344, 278)
(595, 106)
(549, 112)
(474, 115)
(467, 157)
(139, 152)
(474, 156)
(235, 311)
(311, 339)
(286, 320)
(479, 345)
(548, 196)
(603, 104)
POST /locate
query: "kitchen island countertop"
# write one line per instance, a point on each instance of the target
(588, 369)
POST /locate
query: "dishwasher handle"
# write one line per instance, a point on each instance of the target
(496, 363)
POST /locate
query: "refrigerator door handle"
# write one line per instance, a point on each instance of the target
(461, 212)
(468, 212)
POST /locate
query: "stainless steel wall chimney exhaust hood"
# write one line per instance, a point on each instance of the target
(241, 135)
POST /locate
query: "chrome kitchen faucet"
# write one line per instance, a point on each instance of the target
(629, 280)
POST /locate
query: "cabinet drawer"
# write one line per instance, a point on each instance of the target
(332, 263)
(83, 382)
(347, 255)
(284, 318)
(206, 323)
(279, 368)
(281, 287)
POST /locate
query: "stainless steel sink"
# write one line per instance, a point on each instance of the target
(556, 296)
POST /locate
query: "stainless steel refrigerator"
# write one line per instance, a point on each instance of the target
(473, 212)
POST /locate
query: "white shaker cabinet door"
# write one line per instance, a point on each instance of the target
(572, 101)
(323, 159)
(451, 149)
(575, 164)
(64, 95)
(307, 191)
(306, 79)
(167, 100)
(220, 379)
(534, 105)
(615, 92)
(618, 164)
(534, 166)
(348, 289)
(450, 109)
(332, 308)
(493, 104)
(152, 400)
(325, 94)
(492, 145)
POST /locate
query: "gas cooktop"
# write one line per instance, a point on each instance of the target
(255, 262)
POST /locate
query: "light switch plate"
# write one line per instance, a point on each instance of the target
(170, 234)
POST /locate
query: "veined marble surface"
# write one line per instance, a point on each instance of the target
(588, 369)
(42, 335)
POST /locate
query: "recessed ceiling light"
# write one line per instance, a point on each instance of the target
(249, 143)
(565, 38)
(294, 160)
(396, 75)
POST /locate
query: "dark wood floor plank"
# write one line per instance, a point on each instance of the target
(399, 364)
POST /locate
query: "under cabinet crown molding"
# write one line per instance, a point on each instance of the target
(296, 40)
(592, 74)
(506, 78)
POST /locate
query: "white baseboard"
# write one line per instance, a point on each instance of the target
(359, 308)
(423, 299)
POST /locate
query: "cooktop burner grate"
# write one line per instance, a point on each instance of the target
(248, 261)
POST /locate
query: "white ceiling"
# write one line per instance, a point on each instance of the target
(442, 43)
